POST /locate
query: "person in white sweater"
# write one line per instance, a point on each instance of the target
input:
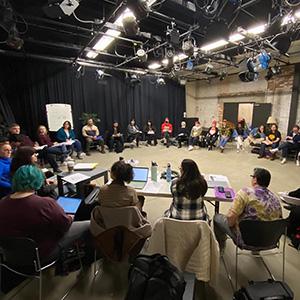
(195, 135)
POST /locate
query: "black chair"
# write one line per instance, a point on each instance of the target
(21, 256)
(259, 236)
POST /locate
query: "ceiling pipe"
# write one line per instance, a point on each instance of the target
(167, 20)
(116, 10)
(57, 23)
(82, 62)
(69, 46)
(157, 47)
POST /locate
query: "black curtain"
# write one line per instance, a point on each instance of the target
(31, 84)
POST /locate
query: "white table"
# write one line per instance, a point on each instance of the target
(161, 189)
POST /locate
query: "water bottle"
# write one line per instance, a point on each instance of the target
(154, 171)
(169, 173)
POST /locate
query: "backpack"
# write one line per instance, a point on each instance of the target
(293, 231)
(154, 278)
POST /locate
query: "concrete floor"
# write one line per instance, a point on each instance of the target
(111, 284)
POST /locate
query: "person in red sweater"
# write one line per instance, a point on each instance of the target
(25, 214)
(166, 131)
(52, 147)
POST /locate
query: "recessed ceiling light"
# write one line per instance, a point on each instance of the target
(91, 54)
(154, 66)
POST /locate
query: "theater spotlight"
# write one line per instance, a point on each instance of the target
(140, 8)
(130, 24)
(99, 74)
(142, 55)
(80, 71)
(188, 47)
(248, 76)
(276, 70)
(173, 35)
(282, 43)
(160, 81)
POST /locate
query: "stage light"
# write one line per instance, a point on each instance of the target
(91, 54)
(165, 61)
(188, 47)
(173, 35)
(214, 45)
(80, 71)
(142, 55)
(257, 29)
(57, 9)
(100, 74)
(208, 68)
(154, 66)
(288, 19)
(297, 14)
(236, 37)
(129, 23)
(282, 43)
(248, 76)
(140, 8)
(160, 81)
(182, 81)
(276, 70)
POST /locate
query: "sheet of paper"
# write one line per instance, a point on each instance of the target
(75, 178)
(85, 166)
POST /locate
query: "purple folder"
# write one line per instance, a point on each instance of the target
(221, 196)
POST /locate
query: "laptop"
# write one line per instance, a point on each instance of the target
(140, 177)
(69, 205)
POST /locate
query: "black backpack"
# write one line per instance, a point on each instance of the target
(154, 278)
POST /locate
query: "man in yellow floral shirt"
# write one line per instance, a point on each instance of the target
(255, 203)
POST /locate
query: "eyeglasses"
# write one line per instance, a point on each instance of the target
(7, 150)
(252, 176)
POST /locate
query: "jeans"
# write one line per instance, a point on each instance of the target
(59, 150)
(89, 142)
(222, 229)
(285, 147)
(193, 141)
(77, 146)
(223, 141)
(263, 148)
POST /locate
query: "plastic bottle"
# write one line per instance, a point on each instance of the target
(169, 173)
(154, 171)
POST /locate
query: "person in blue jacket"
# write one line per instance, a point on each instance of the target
(67, 134)
(5, 162)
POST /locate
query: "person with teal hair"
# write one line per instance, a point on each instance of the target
(25, 214)
(27, 178)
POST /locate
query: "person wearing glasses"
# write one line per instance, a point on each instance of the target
(5, 162)
(256, 203)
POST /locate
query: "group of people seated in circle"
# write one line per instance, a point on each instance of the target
(53, 230)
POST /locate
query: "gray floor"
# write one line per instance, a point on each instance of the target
(111, 283)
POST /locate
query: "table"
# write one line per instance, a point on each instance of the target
(92, 174)
(161, 189)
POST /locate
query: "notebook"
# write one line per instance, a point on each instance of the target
(140, 177)
(69, 205)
